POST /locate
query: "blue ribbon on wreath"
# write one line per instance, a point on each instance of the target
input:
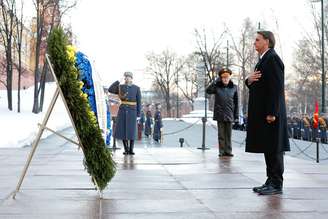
(84, 67)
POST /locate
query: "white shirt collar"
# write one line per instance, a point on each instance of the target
(264, 53)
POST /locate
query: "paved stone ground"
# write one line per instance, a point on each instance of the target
(300, 149)
(158, 182)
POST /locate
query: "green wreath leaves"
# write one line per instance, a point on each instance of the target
(98, 159)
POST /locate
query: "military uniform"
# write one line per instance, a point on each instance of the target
(323, 129)
(148, 123)
(314, 131)
(128, 112)
(141, 123)
(296, 124)
(157, 126)
(307, 129)
(225, 110)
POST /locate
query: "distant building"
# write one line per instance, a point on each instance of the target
(51, 19)
(28, 51)
(27, 78)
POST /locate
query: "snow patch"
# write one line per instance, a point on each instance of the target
(20, 129)
(196, 117)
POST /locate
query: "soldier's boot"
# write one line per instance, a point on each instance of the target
(126, 147)
(131, 147)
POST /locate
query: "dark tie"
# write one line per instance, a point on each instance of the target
(257, 65)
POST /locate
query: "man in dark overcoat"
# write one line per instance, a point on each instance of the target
(129, 110)
(267, 119)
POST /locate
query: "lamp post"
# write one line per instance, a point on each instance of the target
(227, 53)
(323, 110)
(323, 75)
(204, 119)
(177, 94)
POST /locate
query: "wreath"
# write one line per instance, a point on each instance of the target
(98, 159)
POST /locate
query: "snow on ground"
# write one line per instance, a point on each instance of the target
(20, 129)
(196, 117)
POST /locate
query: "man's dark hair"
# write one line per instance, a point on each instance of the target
(268, 35)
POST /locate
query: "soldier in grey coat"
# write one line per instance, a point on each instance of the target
(149, 121)
(128, 112)
(225, 109)
(158, 126)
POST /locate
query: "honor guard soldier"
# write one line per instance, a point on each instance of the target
(158, 125)
(129, 110)
(307, 128)
(314, 131)
(149, 121)
(323, 129)
(141, 123)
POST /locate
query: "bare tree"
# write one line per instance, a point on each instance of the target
(190, 83)
(211, 53)
(49, 14)
(63, 7)
(246, 57)
(42, 11)
(7, 27)
(307, 65)
(3, 71)
(59, 9)
(163, 68)
(18, 44)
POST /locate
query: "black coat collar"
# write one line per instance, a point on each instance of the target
(230, 85)
(266, 55)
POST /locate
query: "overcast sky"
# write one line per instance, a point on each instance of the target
(116, 35)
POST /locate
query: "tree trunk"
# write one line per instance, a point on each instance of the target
(19, 80)
(19, 49)
(9, 76)
(36, 71)
(42, 86)
(36, 94)
(168, 105)
(9, 92)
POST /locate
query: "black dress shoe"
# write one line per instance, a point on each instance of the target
(258, 188)
(125, 153)
(270, 190)
(228, 154)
